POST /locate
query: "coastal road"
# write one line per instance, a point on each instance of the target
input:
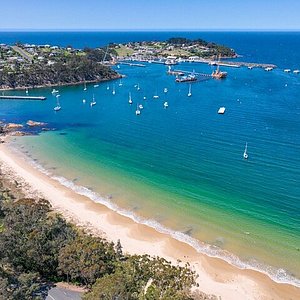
(58, 293)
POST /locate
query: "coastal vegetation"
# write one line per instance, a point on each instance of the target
(38, 248)
(174, 47)
(29, 66)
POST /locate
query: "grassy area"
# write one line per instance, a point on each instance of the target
(177, 52)
(124, 51)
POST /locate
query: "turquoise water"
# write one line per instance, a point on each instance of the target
(181, 169)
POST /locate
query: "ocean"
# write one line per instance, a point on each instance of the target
(181, 169)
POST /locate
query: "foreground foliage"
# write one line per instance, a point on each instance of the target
(39, 246)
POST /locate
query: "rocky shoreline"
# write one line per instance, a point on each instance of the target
(18, 129)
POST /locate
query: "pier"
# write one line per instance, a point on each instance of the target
(233, 64)
(245, 64)
(12, 97)
(131, 64)
(189, 72)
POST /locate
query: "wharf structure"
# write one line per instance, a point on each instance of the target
(12, 97)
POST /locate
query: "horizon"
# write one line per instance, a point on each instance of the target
(145, 30)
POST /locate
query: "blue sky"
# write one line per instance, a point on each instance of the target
(150, 14)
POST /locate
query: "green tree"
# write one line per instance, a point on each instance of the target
(32, 237)
(143, 277)
(86, 258)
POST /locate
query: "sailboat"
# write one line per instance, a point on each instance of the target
(54, 91)
(120, 83)
(113, 91)
(190, 91)
(57, 107)
(138, 87)
(245, 155)
(84, 87)
(137, 112)
(130, 100)
(93, 101)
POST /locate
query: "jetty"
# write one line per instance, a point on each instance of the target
(233, 64)
(175, 72)
(131, 64)
(12, 97)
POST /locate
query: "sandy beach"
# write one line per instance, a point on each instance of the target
(215, 275)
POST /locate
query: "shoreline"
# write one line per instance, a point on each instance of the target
(216, 276)
(22, 88)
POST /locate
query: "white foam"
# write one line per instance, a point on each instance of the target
(277, 275)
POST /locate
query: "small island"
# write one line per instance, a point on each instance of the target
(173, 48)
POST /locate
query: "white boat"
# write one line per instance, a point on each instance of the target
(107, 87)
(141, 106)
(165, 90)
(190, 91)
(120, 83)
(296, 71)
(130, 100)
(137, 112)
(287, 70)
(138, 87)
(155, 96)
(114, 90)
(250, 67)
(118, 66)
(166, 105)
(93, 101)
(245, 155)
(145, 98)
(57, 107)
(96, 85)
(268, 69)
(84, 87)
(221, 110)
(26, 92)
(83, 101)
(54, 91)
